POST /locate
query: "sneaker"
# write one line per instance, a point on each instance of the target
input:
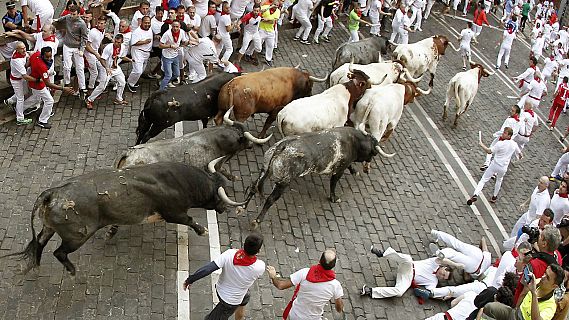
(177, 81)
(171, 85)
(472, 200)
(506, 66)
(376, 251)
(31, 110)
(483, 167)
(366, 291)
(316, 40)
(135, 86)
(556, 178)
(82, 94)
(497, 67)
(422, 293)
(463, 68)
(561, 138)
(295, 38)
(435, 251)
(115, 87)
(305, 42)
(548, 121)
(494, 199)
(434, 235)
(154, 76)
(89, 104)
(269, 63)
(44, 125)
(23, 122)
(326, 39)
(131, 88)
(550, 128)
(418, 29)
(52, 113)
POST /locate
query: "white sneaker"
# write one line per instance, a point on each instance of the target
(171, 85)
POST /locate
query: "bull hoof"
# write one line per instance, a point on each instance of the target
(110, 234)
(239, 210)
(205, 232)
(235, 178)
(201, 231)
(255, 224)
(335, 200)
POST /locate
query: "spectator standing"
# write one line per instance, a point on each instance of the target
(143, 10)
(325, 10)
(170, 44)
(141, 46)
(13, 19)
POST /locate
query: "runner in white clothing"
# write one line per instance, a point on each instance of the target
(373, 14)
(508, 37)
(417, 7)
(528, 125)
(143, 10)
(314, 287)
(302, 11)
(41, 10)
(140, 48)
(251, 36)
(461, 308)
(18, 78)
(474, 260)
(224, 28)
(538, 201)
(550, 67)
(513, 122)
(527, 76)
(94, 40)
(534, 92)
(503, 152)
(466, 36)
(397, 22)
(199, 51)
(238, 8)
(559, 203)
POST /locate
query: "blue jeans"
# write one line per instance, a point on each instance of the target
(171, 67)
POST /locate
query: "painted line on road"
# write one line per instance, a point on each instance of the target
(214, 249)
(454, 176)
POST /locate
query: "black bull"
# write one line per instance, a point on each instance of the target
(80, 206)
(328, 152)
(197, 101)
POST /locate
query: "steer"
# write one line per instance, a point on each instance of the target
(196, 101)
(263, 92)
(326, 152)
(364, 51)
(78, 207)
(329, 109)
(376, 71)
(381, 107)
(422, 56)
(463, 87)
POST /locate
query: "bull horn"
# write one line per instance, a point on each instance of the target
(251, 138)
(225, 198)
(489, 72)
(423, 92)
(319, 79)
(297, 66)
(211, 165)
(387, 155)
(226, 119)
(410, 77)
(351, 63)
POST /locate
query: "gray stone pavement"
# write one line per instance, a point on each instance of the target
(134, 275)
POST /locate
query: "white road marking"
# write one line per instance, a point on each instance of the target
(214, 249)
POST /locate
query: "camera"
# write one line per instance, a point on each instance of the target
(532, 232)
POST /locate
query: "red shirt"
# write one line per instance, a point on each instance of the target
(538, 266)
(39, 71)
(562, 92)
(66, 12)
(480, 17)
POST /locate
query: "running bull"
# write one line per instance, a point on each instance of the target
(196, 101)
(266, 91)
(365, 51)
(379, 73)
(80, 206)
(325, 152)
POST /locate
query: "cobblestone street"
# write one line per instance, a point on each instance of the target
(424, 186)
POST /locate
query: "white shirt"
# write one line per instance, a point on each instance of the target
(41, 43)
(503, 151)
(224, 21)
(550, 65)
(536, 88)
(238, 7)
(205, 50)
(168, 39)
(419, 4)
(527, 75)
(195, 22)
(512, 123)
(508, 39)
(234, 281)
(207, 24)
(107, 55)
(463, 309)
(507, 264)
(312, 297)
(41, 7)
(138, 35)
(155, 26)
(95, 38)
(538, 203)
(303, 6)
(252, 26)
(424, 270)
(466, 36)
(559, 206)
(398, 19)
(537, 47)
(527, 123)
(374, 8)
(18, 66)
(201, 7)
(134, 22)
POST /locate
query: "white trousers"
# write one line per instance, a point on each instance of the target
(96, 70)
(461, 252)
(249, 37)
(457, 291)
(546, 74)
(71, 55)
(19, 87)
(228, 46)
(305, 25)
(321, 23)
(37, 97)
(438, 316)
(430, 4)
(561, 165)
(477, 29)
(115, 75)
(525, 98)
(354, 36)
(404, 275)
(492, 169)
(269, 39)
(374, 19)
(396, 34)
(45, 18)
(521, 141)
(504, 52)
(138, 66)
(489, 156)
(198, 67)
(404, 36)
(418, 15)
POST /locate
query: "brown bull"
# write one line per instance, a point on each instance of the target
(267, 91)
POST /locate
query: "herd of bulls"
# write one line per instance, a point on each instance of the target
(161, 180)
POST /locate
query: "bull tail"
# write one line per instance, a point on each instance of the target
(31, 252)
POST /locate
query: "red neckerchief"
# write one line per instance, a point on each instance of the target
(502, 139)
(116, 51)
(359, 13)
(50, 38)
(552, 58)
(211, 12)
(538, 79)
(530, 112)
(18, 55)
(127, 30)
(176, 36)
(510, 30)
(168, 21)
(272, 10)
(516, 117)
(242, 259)
(316, 274)
(563, 195)
(224, 13)
(533, 67)
(180, 19)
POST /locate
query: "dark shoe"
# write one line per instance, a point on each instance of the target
(506, 66)
(44, 125)
(295, 39)
(548, 121)
(131, 88)
(376, 251)
(366, 291)
(305, 42)
(316, 41)
(31, 110)
(326, 39)
(422, 293)
(493, 199)
(435, 250)
(556, 178)
(82, 94)
(269, 63)
(561, 138)
(483, 167)
(89, 104)
(472, 200)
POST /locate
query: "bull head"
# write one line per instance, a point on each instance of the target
(246, 134)
(173, 103)
(441, 44)
(220, 190)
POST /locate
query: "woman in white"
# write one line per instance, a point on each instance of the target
(374, 12)
(559, 203)
(302, 11)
